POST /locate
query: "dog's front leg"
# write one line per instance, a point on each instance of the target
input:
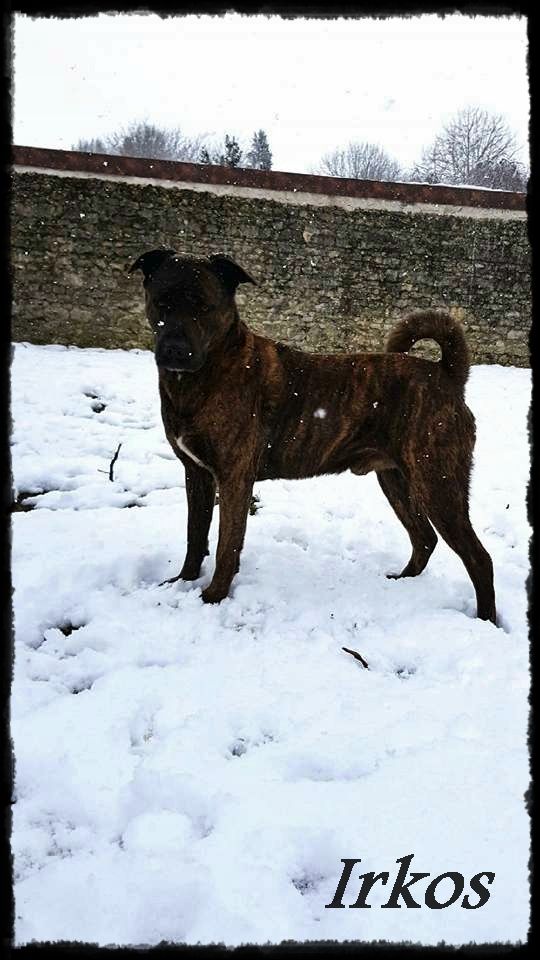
(201, 495)
(234, 500)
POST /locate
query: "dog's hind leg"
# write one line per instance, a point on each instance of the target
(421, 534)
(449, 513)
(201, 495)
(455, 527)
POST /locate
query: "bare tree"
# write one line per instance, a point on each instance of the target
(502, 175)
(475, 147)
(360, 161)
(143, 139)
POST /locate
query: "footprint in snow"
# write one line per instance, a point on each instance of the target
(405, 672)
(241, 745)
(306, 883)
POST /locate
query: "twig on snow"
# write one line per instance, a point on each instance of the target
(357, 656)
(113, 461)
(111, 465)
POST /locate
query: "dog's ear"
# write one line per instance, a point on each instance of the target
(150, 261)
(229, 272)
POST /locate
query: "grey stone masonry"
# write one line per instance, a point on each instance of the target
(334, 270)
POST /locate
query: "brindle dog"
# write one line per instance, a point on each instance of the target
(238, 407)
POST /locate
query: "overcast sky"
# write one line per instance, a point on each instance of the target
(311, 84)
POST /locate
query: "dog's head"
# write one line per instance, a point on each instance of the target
(189, 304)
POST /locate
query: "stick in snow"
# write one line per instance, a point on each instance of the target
(112, 463)
(357, 656)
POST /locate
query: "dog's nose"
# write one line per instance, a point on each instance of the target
(173, 354)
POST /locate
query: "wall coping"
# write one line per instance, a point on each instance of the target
(111, 166)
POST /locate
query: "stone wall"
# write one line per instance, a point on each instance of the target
(333, 272)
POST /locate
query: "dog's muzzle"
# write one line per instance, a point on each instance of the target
(177, 356)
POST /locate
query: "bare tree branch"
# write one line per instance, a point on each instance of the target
(143, 139)
(360, 161)
(475, 147)
(113, 461)
(357, 656)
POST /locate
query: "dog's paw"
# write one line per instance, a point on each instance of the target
(169, 580)
(190, 571)
(213, 595)
(408, 571)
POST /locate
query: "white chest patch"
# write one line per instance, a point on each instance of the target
(192, 456)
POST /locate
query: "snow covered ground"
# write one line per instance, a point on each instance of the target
(197, 773)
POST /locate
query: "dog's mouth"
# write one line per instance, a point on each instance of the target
(177, 355)
(193, 367)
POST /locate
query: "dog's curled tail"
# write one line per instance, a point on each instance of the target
(435, 325)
